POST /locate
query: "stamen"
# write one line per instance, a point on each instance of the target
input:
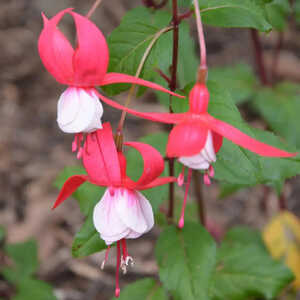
(211, 171)
(181, 220)
(74, 143)
(206, 179)
(125, 259)
(128, 260)
(80, 137)
(79, 153)
(117, 289)
(124, 248)
(106, 258)
(180, 179)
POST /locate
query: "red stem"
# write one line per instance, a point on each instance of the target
(164, 76)
(172, 86)
(175, 45)
(187, 187)
(171, 191)
(185, 15)
(259, 57)
(276, 56)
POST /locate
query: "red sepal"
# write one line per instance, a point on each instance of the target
(69, 187)
(55, 50)
(186, 139)
(91, 56)
(153, 162)
(100, 157)
(158, 117)
(111, 78)
(217, 141)
(243, 140)
(157, 182)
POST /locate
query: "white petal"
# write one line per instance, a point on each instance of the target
(112, 239)
(146, 210)
(106, 219)
(79, 110)
(130, 211)
(133, 235)
(208, 151)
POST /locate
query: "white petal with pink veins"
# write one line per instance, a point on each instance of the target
(79, 110)
(122, 214)
(202, 160)
(106, 219)
(147, 211)
(129, 210)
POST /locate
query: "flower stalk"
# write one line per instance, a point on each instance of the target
(93, 8)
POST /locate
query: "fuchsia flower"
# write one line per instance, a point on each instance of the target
(79, 109)
(197, 136)
(123, 212)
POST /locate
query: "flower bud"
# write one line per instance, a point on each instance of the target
(79, 110)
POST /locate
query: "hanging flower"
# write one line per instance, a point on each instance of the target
(123, 212)
(197, 136)
(79, 109)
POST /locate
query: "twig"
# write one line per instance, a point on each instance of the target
(276, 55)
(138, 72)
(259, 57)
(185, 15)
(172, 86)
(93, 8)
(164, 76)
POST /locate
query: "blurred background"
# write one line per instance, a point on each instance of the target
(33, 150)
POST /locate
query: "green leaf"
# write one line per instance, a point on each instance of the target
(244, 236)
(244, 269)
(87, 240)
(235, 13)
(277, 13)
(129, 41)
(184, 3)
(2, 235)
(191, 268)
(238, 79)
(87, 194)
(148, 289)
(280, 107)
(32, 289)
(297, 11)
(186, 260)
(25, 262)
